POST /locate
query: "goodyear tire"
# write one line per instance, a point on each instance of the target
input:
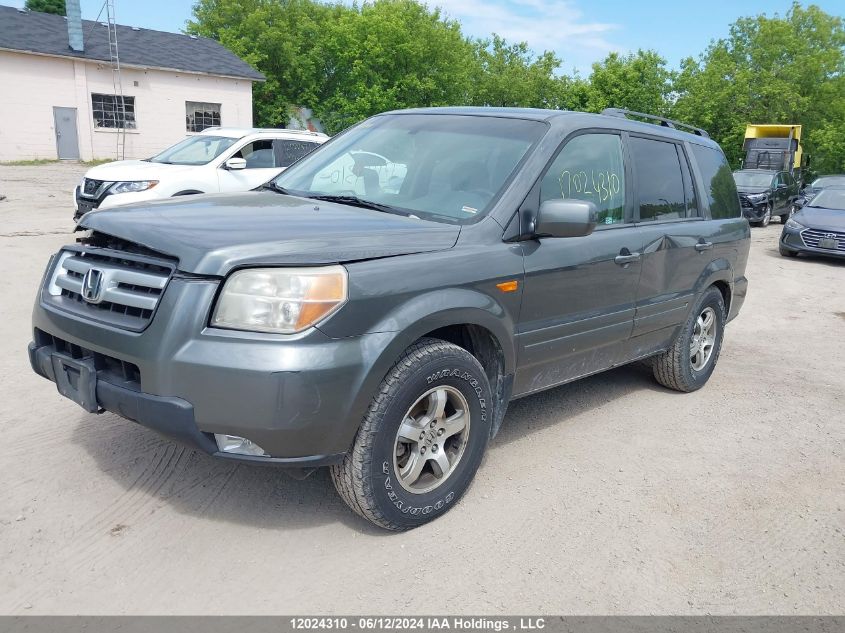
(688, 364)
(422, 439)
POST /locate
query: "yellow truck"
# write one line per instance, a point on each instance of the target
(775, 147)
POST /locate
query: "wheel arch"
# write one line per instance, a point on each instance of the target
(719, 273)
(481, 333)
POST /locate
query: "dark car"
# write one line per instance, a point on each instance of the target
(818, 228)
(822, 182)
(764, 193)
(333, 320)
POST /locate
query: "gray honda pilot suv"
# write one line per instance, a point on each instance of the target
(375, 307)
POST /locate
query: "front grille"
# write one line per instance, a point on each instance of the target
(92, 188)
(112, 288)
(114, 370)
(812, 237)
(744, 202)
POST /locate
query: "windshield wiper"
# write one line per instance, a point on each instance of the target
(355, 201)
(271, 186)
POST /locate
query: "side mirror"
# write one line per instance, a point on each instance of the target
(566, 218)
(236, 163)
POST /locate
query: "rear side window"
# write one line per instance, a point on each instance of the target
(589, 167)
(289, 151)
(719, 185)
(660, 184)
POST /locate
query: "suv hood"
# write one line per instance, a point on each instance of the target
(122, 170)
(750, 191)
(212, 234)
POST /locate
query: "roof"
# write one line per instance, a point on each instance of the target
(46, 34)
(568, 118)
(240, 132)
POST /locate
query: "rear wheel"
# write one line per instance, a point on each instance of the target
(688, 364)
(421, 440)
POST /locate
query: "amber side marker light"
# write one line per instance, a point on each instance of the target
(508, 286)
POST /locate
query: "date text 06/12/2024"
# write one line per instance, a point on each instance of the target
(385, 623)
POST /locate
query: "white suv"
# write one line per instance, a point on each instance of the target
(217, 159)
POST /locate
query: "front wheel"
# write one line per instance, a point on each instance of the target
(688, 364)
(421, 440)
(767, 216)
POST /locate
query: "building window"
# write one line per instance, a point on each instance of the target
(108, 112)
(199, 116)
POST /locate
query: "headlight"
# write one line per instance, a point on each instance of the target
(757, 197)
(280, 300)
(133, 186)
(795, 226)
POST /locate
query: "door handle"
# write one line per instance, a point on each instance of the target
(623, 259)
(703, 246)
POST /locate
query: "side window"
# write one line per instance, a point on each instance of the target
(288, 152)
(660, 185)
(258, 154)
(719, 185)
(689, 189)
(590, 167)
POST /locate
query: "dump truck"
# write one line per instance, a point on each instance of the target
(774, 147)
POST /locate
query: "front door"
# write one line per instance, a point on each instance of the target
(260, 167)
(580, 292)
(67, 138)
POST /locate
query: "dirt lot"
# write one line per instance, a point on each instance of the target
(611, 495)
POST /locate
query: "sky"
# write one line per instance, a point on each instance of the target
(579, 31)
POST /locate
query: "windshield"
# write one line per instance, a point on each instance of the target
(829, 199)
(828, 181)
(752, 179)
(194, 150)
(447, 168)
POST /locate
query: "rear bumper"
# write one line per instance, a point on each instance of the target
(169, 416)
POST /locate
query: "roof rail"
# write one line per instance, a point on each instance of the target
(623, 114)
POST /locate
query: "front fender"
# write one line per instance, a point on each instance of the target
(426, 313)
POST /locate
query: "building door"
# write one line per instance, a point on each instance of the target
(67, 138)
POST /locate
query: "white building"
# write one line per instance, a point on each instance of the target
(59, 97)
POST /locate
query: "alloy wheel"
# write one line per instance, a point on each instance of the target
(431, 439)
(703, 339)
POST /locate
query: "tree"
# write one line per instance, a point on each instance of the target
(769, 70)
(47, 6)
(639, 81)
(392, 54)
(509, 75)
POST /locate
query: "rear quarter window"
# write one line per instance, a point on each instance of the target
(719, 185)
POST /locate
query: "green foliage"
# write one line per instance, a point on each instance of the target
(509, 75)
(639, 82)
(769, 70)
(47, 6)
(350, 61)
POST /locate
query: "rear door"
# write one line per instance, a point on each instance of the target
(288, 151)
(579, 297)
(677, 246)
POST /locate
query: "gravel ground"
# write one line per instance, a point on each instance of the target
(609, 495)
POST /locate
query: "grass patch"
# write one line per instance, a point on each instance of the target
(27, 163)
(52, 161)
